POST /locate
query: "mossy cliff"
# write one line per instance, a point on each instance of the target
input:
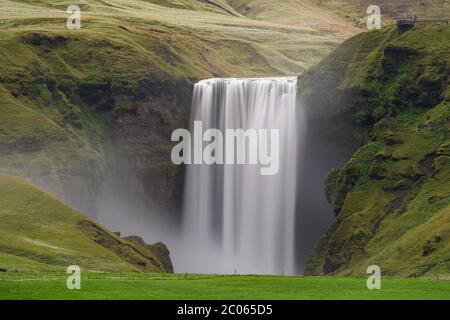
(66, 99)
(392, 198)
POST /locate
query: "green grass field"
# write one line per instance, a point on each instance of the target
(192, 287)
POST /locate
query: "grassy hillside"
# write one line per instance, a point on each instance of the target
(392, 198)
(303, 14)
(40, 233)
(194, 30)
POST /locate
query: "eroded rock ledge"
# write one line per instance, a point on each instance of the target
(133, 250)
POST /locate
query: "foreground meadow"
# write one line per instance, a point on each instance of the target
(191, 287)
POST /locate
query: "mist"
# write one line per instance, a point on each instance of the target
(320, 150)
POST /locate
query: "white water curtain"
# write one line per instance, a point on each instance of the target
(234, 218)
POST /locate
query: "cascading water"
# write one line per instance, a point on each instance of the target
(235, 218)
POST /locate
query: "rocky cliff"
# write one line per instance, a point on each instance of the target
(392, 198)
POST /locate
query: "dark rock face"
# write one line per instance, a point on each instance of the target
(339, 183)
(324, 144)
(162, 253)
(98, 94)
(393, 57)
(138, 119)
(378, 170)
(40, 39)
(430, 246)
(141, 127)
(331, 265)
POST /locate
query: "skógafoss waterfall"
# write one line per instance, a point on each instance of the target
(235, 218)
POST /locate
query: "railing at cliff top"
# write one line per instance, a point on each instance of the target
(411, 21)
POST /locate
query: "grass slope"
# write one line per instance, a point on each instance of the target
(40, 233)
(198, 28)
(392, 198)
(161, 287)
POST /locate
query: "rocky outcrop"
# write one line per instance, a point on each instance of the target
(141, 127)
(159, 250)
(110, 118)
(132, 250)
(162, 252)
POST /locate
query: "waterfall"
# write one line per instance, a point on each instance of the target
(234, 217)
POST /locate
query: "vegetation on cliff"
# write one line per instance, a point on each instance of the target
(392, 198)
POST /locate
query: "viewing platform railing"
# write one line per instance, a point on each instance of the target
(412, 21)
